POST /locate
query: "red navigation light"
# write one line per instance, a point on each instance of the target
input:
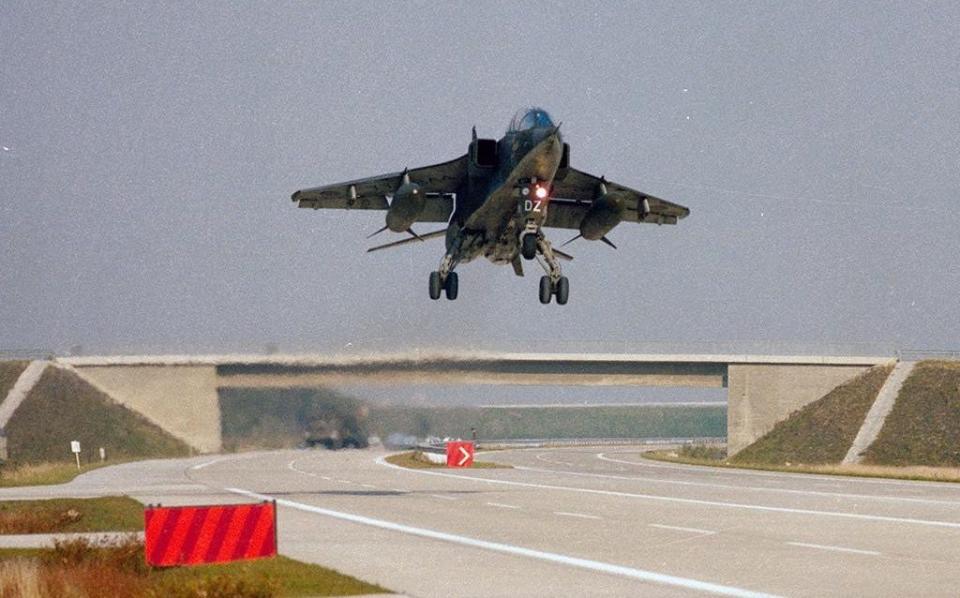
(541, 192)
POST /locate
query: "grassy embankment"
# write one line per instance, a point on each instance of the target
(917, 442)
(278, 418)
(81, 568)
(63, 407)
(416, 460)
(924, 426)
(9, 372)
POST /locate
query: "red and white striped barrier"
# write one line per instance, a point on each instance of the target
(196, 535)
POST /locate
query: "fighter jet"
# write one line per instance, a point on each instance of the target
(496, 200)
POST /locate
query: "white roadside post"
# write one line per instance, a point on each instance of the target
(75, 447)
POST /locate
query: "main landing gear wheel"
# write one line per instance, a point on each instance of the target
(528, 246)
(563, 290)
(546, 289)
(435, 286)
(451, 286)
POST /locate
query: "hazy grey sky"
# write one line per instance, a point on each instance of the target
(148, 152)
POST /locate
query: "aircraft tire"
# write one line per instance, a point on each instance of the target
(452, 286)
(435, 286)
(563, 290)
(546, 290)
(528, 246)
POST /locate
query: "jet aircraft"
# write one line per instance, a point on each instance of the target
(496, 200)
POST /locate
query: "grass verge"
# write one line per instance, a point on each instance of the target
(914, 473)
(82, 568)
(416, 460)
(67, 515)
(44, 474)
(924, 425)
(9, 373)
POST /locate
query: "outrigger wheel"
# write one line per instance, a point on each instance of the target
(561, 290)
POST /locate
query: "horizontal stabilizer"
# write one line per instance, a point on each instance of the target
(417, 239)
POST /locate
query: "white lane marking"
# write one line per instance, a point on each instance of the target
(733, 471)
(443, 497)
(292, 467)
(629, 572)
(324, 477)
(209, 463)
(694, 530)
(580, 515)
(540, 458)
(501, 505)
(930, 501)
(368, 485)
(345, 481)
(835, 548)
(687, 501)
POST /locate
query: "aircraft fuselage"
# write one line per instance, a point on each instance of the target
(492, 211)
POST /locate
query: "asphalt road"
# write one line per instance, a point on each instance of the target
(578, 521)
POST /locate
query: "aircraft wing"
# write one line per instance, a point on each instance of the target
(438, 183)
(574, 194)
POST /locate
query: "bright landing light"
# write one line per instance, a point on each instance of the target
(541, 192)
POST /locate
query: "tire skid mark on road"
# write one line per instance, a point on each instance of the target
(689, 501)
(560, 559)
(926, 501)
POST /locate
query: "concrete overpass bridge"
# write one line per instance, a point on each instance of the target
(180, 392)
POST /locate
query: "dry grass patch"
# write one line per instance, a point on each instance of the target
(81, 568)
(417, 460)
(70, 515)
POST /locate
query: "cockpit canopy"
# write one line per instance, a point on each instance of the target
(529, 118)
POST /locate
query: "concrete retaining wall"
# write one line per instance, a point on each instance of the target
(180, 399)
(760, 396)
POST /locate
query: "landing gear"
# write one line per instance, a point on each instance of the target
(546, 289)
(435, 285)
(554, 283)
(445, 280)
(451, 286)
(561, 289)
(528, 245)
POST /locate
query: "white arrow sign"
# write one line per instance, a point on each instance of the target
(465, 457)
